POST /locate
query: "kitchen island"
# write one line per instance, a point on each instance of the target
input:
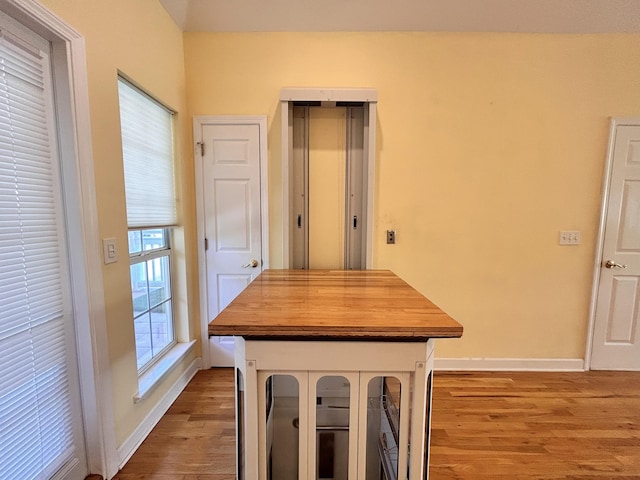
(315, 353)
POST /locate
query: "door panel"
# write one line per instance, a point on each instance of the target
(300, 187)
(232, 215)
(355, 253)
(623, 311)
(629, 236)
(327, 168)
(232, 207)
(230, 286)
(616, 339)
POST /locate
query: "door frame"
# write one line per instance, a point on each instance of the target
(329, 97)
(614, 123)
(85, 263)
(354, 183)
(198, 122)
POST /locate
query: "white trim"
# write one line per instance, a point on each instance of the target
(510, 364)
(88, 294)
(334, 356)
(606, 184)
(198, 122)
(370, 156)
(149, 380)
(367, 95)
(131, 444)
(286, 145)
(330, 95)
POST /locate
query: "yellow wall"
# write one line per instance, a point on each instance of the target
(139, 39)
(487, 146)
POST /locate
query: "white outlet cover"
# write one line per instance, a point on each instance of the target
(109, 250)
(570, 237)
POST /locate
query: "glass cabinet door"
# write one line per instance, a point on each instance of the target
(334, 412)
(333, 395)
(283, 436)
(383, 428)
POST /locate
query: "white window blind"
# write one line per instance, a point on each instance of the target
(147, 148)
(36, 429)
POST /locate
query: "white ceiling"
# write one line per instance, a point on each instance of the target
(544, 16)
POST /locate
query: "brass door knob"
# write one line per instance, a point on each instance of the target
(612, 264)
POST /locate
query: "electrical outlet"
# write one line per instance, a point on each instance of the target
(569, 237)
(391, 236)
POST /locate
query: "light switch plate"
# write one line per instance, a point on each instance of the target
(109, 250)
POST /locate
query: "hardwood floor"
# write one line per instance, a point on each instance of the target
(526, 426)
(195, 440)
(516, 426)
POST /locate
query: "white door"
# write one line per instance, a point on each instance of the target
(616, 336)
(233, 157)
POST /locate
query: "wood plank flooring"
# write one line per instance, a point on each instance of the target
(195, 439)
(527, 426)
(498, 426)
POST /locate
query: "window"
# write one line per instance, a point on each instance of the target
(147, 147)
(149, 252)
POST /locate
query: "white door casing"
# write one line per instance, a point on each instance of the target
(368, 97)
(615, 341)
(231, 189)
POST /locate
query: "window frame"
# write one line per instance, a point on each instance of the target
(146, 256)
(143, 257)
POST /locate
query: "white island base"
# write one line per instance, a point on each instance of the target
(339, 410)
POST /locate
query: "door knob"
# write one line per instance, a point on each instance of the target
(253, 264)
(612, 264)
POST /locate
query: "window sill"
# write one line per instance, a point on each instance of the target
(150, 380)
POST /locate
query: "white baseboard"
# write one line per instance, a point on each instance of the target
(511, 364)
(131, 444)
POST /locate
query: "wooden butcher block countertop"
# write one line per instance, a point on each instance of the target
(333, 305)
